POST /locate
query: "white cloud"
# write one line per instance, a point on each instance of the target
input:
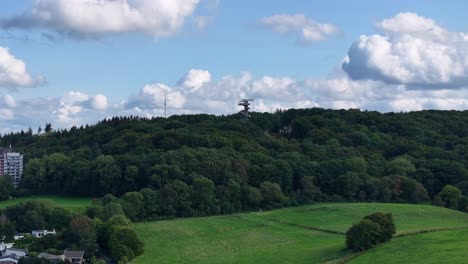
(13, 73)
(6, 114)
(195, 79)
(413, 51)
(221, 96)
(7, 101)
(75, 107)
(99, 102)
(94, 18)
(306, 29)
(152, 96)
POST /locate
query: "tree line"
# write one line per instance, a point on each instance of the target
(109, 231)
(205, 164)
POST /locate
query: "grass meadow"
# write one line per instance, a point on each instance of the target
(437, 247)
(70, 203)
(292, 235)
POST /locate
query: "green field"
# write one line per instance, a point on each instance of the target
(72, 204)
(437, 247)
(339, 217)
(284, 235)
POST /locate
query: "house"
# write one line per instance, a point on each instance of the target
(4, 246)
(18, 237)
(41, 233)
(9, 260)
(15, 252)
(52, 258)
(75, 257)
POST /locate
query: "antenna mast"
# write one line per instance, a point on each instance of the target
(165, 105)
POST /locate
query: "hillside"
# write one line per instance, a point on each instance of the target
(430, 248)
(206, 165)
(260, 238)
(70, 203)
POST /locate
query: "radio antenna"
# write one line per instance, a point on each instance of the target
(165, 104)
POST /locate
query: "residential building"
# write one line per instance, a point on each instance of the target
(15, 252)
(75, 257)
(4, 246)
(41, 233)
(9, 260)
(11, 163)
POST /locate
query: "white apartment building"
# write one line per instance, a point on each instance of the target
(11, 163)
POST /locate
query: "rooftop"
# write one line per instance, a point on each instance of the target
(73, 254)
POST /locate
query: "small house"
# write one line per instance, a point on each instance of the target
(41, 233)
(4, 246)
(75, 257)
(15, 252)
(9, 260)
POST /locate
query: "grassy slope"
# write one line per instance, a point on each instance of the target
(339, 217)
(437, 247)
(256, 238)
(72, 204)
(234, 239)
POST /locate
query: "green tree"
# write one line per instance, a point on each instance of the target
(450, 195)
(252, 196)
(109, 174)
(59, 218)
(132, 204)
(271, 193)
(150, 202)
(7, 228)
(386, 224)
(124, 242)
(6, 187)
(363, 235)
(203, 198)
(308, 191)
(348, 184)
(112, 209)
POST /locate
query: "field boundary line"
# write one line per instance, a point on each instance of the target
(304, 227)
(424, 231)
(349, 257)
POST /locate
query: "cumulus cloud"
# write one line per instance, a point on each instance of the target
(220, 96)
(305, 29)
(13, 73)
(94, 18)
(71, 107)
(99, 102)
(7, 101)
(413, 51)
(194, 79)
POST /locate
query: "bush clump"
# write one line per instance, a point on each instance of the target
(370, 231)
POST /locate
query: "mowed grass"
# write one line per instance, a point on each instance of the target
(279, 236)
(234, 239)
(70, 203)
(340, 216)
(437, 247)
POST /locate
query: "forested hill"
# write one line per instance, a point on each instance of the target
(290, 156)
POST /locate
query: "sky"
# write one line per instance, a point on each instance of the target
(74, 62)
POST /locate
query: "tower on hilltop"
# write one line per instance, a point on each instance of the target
(246, 104)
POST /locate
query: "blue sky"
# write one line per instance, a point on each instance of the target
(245, 48)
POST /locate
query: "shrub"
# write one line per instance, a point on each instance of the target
(373, 229)
(386, 224)
(363, 235)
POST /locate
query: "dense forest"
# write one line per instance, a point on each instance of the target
(204, 164)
